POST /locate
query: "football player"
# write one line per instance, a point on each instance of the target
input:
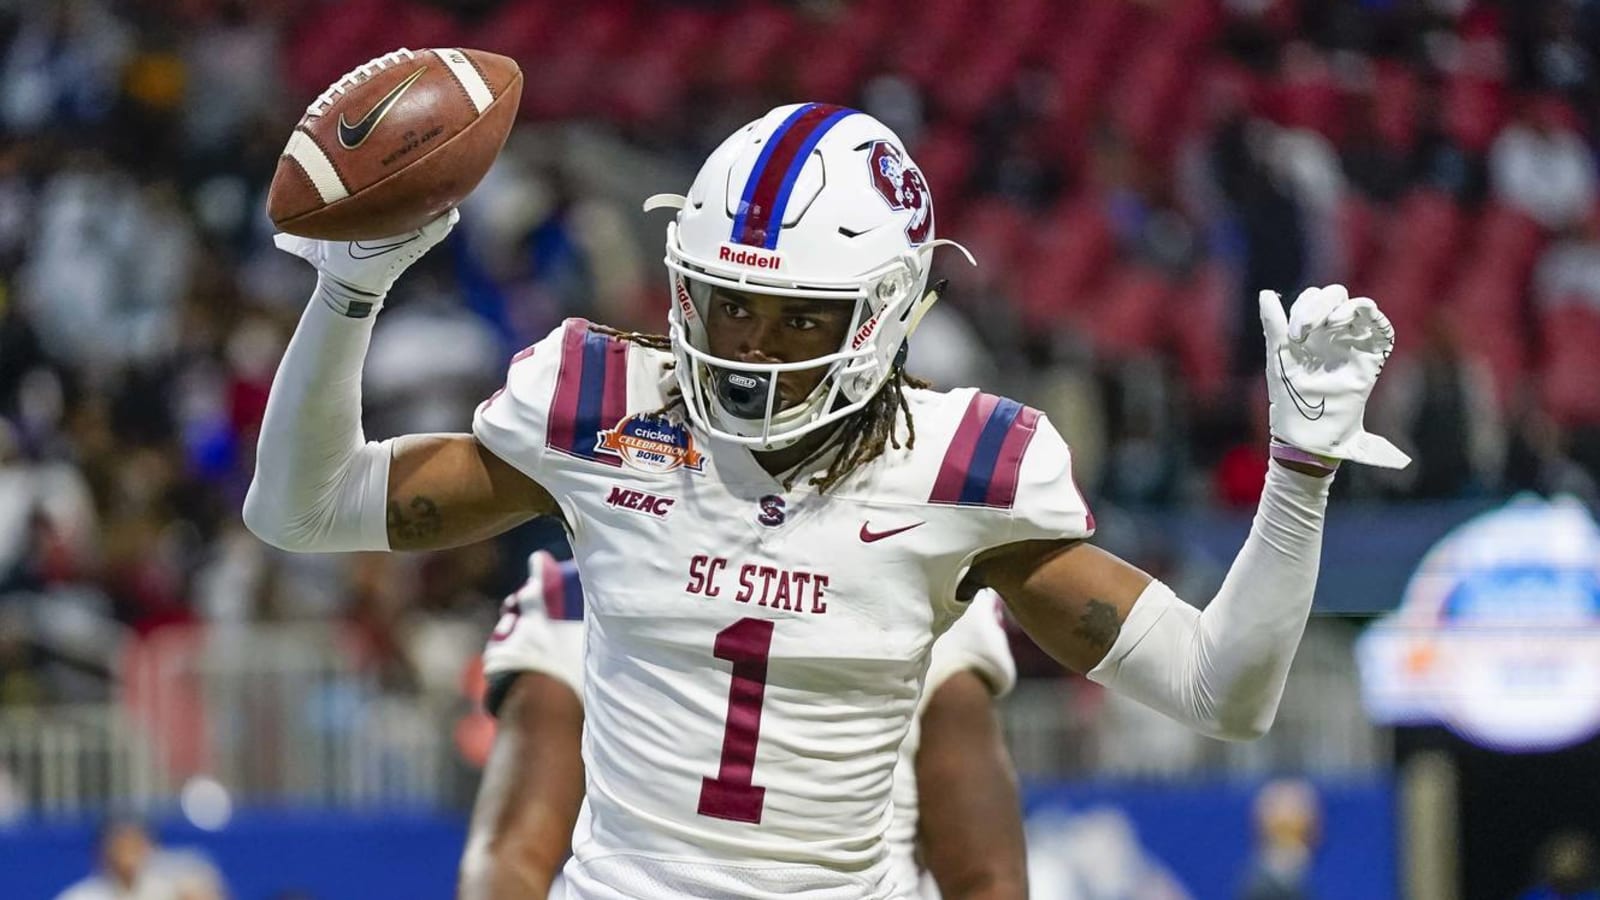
(774, 520)
(970, 838)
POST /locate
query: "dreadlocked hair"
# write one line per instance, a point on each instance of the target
(864, 436)
(653, 341)
(856, 442)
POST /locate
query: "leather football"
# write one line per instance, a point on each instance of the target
(394, 144)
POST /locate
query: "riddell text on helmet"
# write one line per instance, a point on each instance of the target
(744, 256)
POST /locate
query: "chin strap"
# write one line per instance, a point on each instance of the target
(921, 307)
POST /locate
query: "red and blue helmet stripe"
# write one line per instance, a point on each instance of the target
(758, 219)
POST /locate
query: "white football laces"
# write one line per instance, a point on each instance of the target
(354, 77)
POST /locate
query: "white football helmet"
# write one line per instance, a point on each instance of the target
(814, 201)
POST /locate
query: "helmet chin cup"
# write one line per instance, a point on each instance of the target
(742, 394)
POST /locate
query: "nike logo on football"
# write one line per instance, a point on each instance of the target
(1311, 412)
(868, 535)
(367, 250)
(353, 136)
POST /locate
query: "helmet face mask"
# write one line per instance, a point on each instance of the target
(814, 202)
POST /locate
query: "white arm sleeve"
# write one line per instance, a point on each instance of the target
(1222, 671)
(319, 485)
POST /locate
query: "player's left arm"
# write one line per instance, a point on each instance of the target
(532, 789)
(1221, 671)
(969, 831)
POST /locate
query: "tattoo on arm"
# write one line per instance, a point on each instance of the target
(1098, 625)
(416, 521)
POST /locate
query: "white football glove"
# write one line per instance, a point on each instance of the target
(371, 267)
(1321, 366)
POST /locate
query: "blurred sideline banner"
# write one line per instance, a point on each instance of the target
(1368, 551)
(1199, 833)
(1498, 634)
(262, 854)
(1202, 835)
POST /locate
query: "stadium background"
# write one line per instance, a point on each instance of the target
(1128, 173)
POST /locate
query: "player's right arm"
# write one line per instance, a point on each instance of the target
(319, 485)
(448, 489)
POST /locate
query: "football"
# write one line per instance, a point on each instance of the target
(394, 144)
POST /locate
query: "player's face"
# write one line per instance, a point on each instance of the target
(757, 328)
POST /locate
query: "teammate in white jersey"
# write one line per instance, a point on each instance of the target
(970, 838)
(774, 521)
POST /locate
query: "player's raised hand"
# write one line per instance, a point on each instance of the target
(1322, 363)
(369, 266)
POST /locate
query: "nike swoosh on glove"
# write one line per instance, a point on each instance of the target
(369, 266)
(1322, 364)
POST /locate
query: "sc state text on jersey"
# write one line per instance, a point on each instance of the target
(793, 590)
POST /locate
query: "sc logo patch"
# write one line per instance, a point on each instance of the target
(772, 513)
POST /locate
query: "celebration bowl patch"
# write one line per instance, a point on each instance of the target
(651, 443)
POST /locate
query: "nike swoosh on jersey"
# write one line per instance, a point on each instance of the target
(868, 535)
(353, 136)
(1309, 411)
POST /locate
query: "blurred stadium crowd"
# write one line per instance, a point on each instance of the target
(1128, 174)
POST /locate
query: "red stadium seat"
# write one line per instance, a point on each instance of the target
(752, 39)
(569, 79)
(646, 85)
(988, 69)
(1474, 111)
(1197, 330)
(1142, 102)
(1488, 304)
(1129, 313)
(1419, 239)
(1358, 225)
(1570, 335)
(997, 233)
(1307, 96)
(945, 156)
(1072, 248)
(1396, 97)
(1407, 292)
(517, 30)
(1511, 237)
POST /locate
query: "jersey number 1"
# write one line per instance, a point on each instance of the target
(731, 795)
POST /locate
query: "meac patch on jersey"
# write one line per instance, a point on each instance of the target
(754, 655)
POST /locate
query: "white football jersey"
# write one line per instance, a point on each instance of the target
(753, 655)
(541, 630)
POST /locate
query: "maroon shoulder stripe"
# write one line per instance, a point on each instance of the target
(561, 426)
(1008, 467)
(953, 471)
